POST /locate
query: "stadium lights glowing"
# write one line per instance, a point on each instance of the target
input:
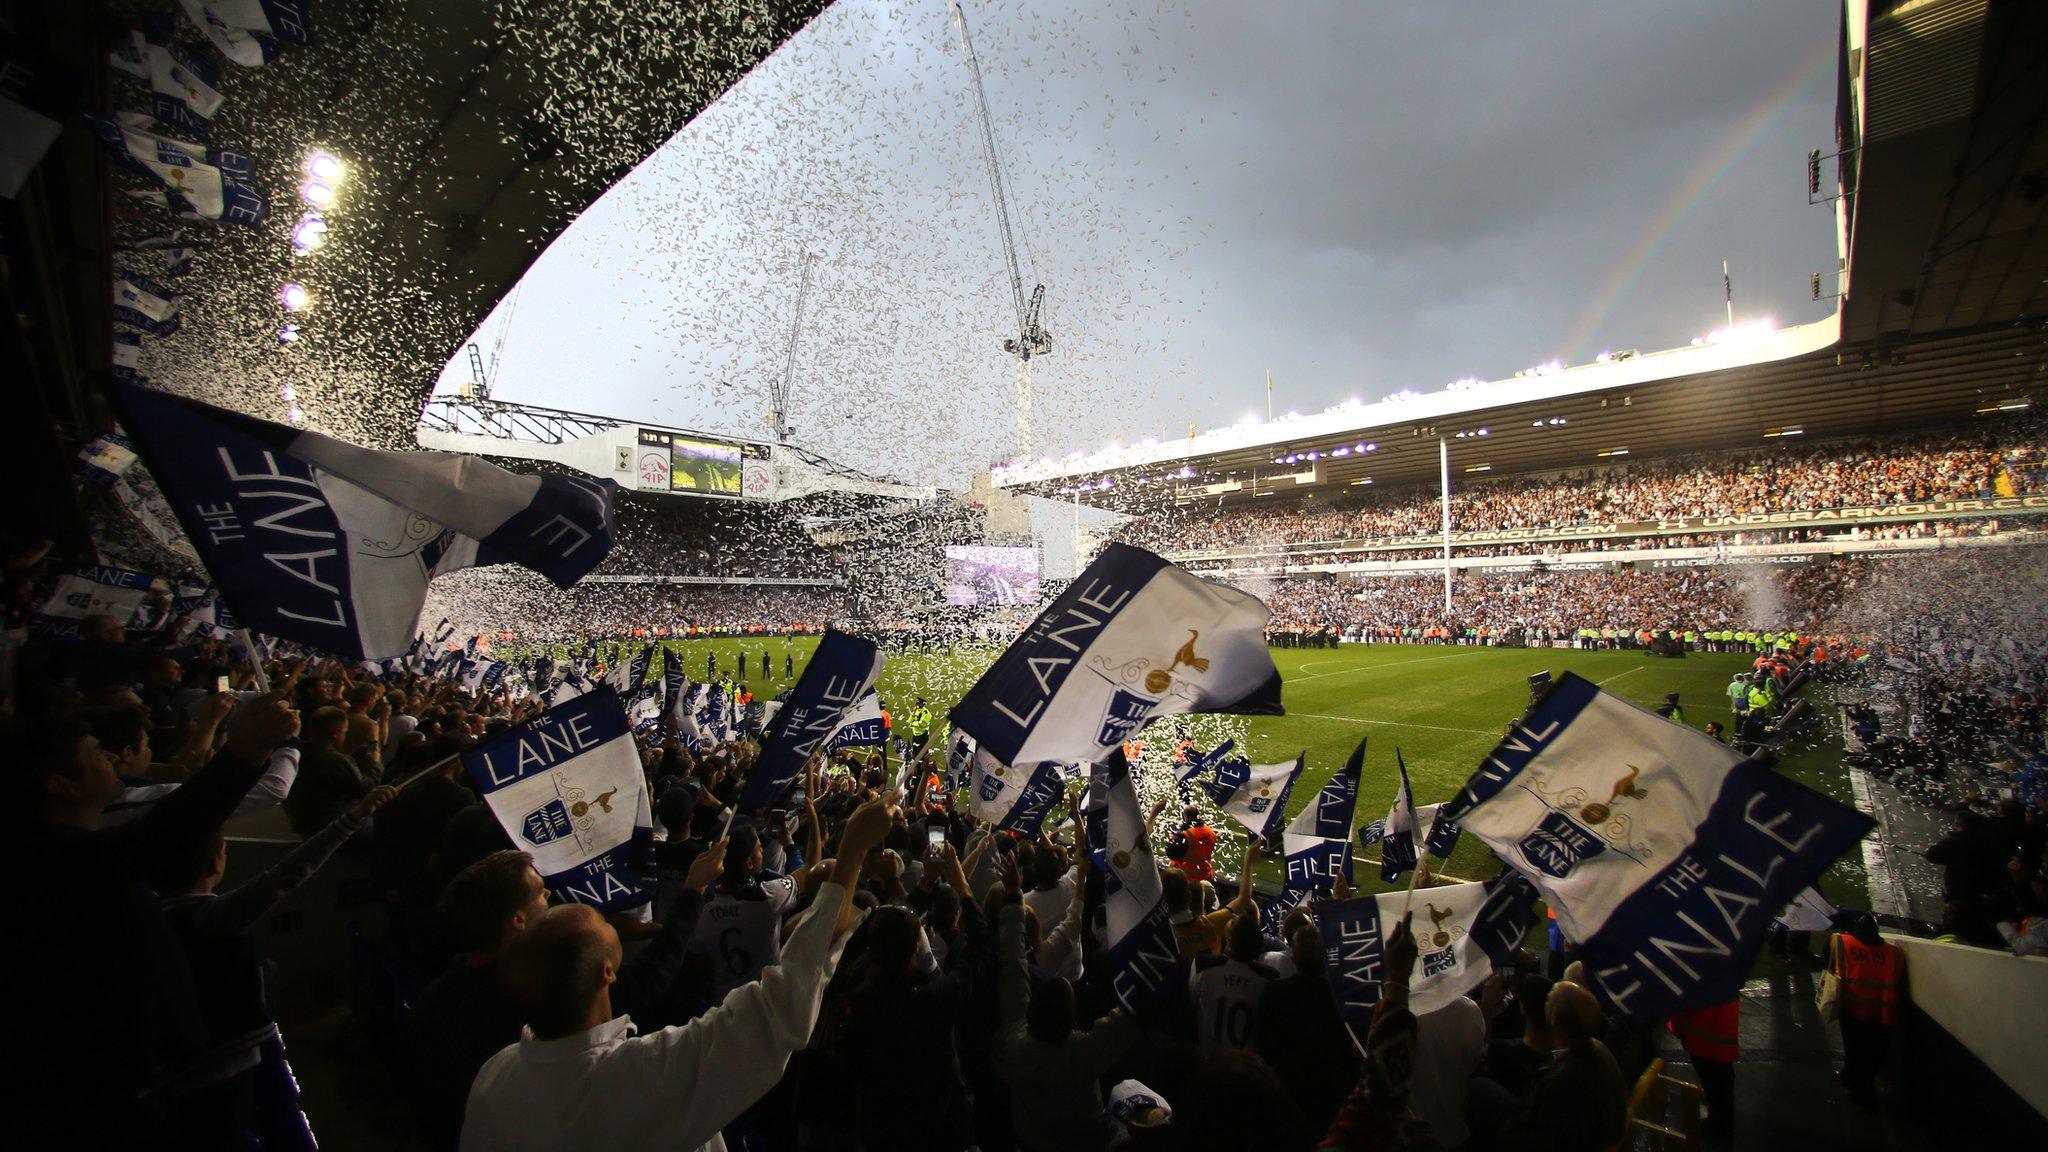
(324, 174)
(309, 234)
(1614, 452)
(295, 298)
(2006, 406)
(1774, 433)
(1362, 480)
(1480, 468)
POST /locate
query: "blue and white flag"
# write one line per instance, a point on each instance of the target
(106, 459)
(574, 686)
(143, 303)
(1408, 830)
(1663, 852)
(182, 86)
(1463, 932)
(568, 788)
(250, 32)
(1318, 839)
(201, 182)
(959, 761)
(1133, 638)
(37, 95)
(127, 357)
(332, 546)
(205, 616)
(715, 715)
(627, 672)
(643, 712)
(83, 592)
(1014, 798)
(481, 676)
(1142, 952)
(1273, 913)
(674, 684)
(687, 709)
(1260, 801)
(840, 672)
(862, 726)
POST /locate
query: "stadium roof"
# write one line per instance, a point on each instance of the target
(1942, 177)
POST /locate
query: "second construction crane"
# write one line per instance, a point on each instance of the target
(1031, 339)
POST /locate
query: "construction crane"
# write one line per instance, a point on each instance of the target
(778, 415)
(1031, 339)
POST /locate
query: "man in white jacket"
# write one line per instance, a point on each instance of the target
(581, 1078)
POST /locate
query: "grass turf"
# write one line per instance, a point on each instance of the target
(1443, 707)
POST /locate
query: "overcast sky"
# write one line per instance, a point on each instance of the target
(1360, 198)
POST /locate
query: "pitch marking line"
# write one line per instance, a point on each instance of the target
(1397, 724)
(1375, 667)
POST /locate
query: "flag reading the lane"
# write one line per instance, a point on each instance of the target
(1318, 839)
(674, 685)
(1663, 852)
(1261, 800)
(1142, 952)
(568, 788)
(1463, 932)
(331, 545)
(1133, 638)
(839, 673)
(862, 727)
(627, 671)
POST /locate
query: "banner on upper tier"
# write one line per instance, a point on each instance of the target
(568, 788)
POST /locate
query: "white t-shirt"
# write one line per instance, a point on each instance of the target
(1050, 906)
(1226, 994)
(1449, 1044)
(742, 932)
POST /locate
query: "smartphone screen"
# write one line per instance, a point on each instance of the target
(220, 683)
(934, 839)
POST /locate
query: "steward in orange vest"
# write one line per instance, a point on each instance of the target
(1873, 976)
(1710, 1036)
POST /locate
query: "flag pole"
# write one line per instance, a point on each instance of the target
(255, 660)
(1421, 863)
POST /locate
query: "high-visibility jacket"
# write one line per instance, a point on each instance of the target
(1709, 1032)
(920, 721)
(1873, 976)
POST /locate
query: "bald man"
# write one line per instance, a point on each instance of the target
(580, 1077)
(1579, 1102)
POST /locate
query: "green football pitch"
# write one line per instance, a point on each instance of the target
(1443, 707)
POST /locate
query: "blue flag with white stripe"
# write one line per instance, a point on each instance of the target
(197, 181)
(1143, 954)
(1318, 839)
(1015, 798)
(1132, 639)
(332, 546)
(1463, 934)
(627, 672)
(83, 592)
(839, 673)
(568, 788)
(182, 86)
(1663, 852)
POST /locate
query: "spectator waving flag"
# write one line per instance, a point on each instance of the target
(1318, 839)
(1131, 639)
(839, 673)
(627, 671)
(197, 181)
(862, 727)
(959, 761)
(329, 545)
(1664, 853)
(674, 684)
(1464, 933)
(568, 788)
(1142, 953)
(1407, 830)
(1261, 800)
(114, 592)
(1195, 764)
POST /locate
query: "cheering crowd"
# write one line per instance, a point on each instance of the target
(2006, 460)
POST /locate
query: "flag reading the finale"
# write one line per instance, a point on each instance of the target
(1463, 934)
(1663, 853)
(182, 86)
(862, 727)
(249, 32)
(1015, 798)
(568, 788)
(1261, 799)
(1131, 639)
(332, 546)
(1142, 952)
(196, 181)
(1318, 839)
(839, 673)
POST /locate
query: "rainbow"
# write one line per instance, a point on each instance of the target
(1693, 188)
